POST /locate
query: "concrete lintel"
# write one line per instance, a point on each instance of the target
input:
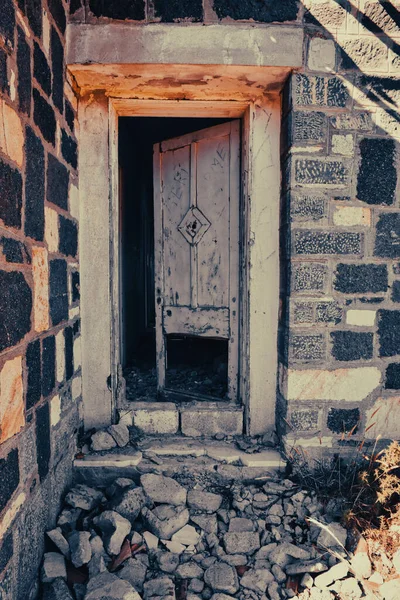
(238, 44)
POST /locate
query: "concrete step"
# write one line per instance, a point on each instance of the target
(221, 461)
(192, 419)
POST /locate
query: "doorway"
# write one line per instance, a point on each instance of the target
(179, 345)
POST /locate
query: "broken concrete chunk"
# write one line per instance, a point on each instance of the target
(207, 523)
(107, 585)
(118, 485)
(114, 529)
(129, 502)
(120, 433)
(205, 501)
(221, 577)
(56, 590)
(56, 536)
(283, 554)
(151, 540)
(189, 570)
(53, 567)
(134, 572)
(334, 536)
(240, 524)
(245, 542)
(68, 519)
(85, 497)
(81, 550)
(165, 520)
(163, 490)
(187, 536)
(162, 587)
(309, 566)
(167, 561)
(102, 440)
(257, 580)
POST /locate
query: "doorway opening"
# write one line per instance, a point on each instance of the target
(196, 366)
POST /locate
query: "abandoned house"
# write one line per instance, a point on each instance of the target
(199, 231)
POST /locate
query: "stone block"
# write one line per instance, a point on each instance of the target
(305, 207)
(57, 67)
(321, 55)
(76, 388)
(309, 277)
(198, 422)
(13, 251)
(34, 187)
(316, 241)
(307, 347)
(43, 115)
(315, 90)
(4, 87)
(11, 134)
(361, 318)
(12, 417)
(389, 332)
(377, 175)
(48, 365)
(303, 312)
(10, 195)
(41, 69)
(352, 385)
(68, 236)
(343, 420)
(58, 291)
(351, 216)
(57, 182)
(40, 273)
(360, 279)
(368, 54)
(51, 229)
(58, 13)
(69, 149)
(77, 357)
(309, 126)
(74, 201)
(6, 550)
(154, 418)
(356, 121)
(27, 453)
(321, 172)
(387, 235)
(55, 411)
(328, 312)
(350, 345)
(330, 14)
(119, 9)
(17, 322)
(24, 72)
(304, 420)
(33, 368)
(75, 286)
(266, 12)
(343, 144)
(392, 379)
(396, 291)
(169, 12)
(10, 477)
(383, 419)
(43, 450)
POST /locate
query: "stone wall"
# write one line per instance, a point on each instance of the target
(340, 335)
(39, 284)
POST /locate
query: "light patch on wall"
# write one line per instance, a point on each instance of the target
(55, 410)
(383, 419)
(361, 318)
(51, 229)
(12, 417)
(60, 356)
(40, 271)
(11, 134)
(351, 216)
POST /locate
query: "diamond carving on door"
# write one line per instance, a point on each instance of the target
(196, 202)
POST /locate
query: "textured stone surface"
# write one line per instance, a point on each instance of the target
(163, 490)
(324, 242)
(321, 172)
(34, 186)
(307, 347)
(53, 567)
(206, 501)
(307, 277)
(350, 345)
(309, 126)
(392, 381)
(328, 312)
(267, 11)
(304, 420)
(195, 423)
(339, 384)
(342, 420)
(118, 9)
(387, 235)
(377, 176)
(114, 529)
(307, 207)
(389, 332)
(222, 577)
(12, 417)
(9, 472)
(360, 279)
(321, 55)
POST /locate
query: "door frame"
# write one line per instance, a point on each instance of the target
(259, 265)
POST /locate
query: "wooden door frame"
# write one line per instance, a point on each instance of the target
(99, 246)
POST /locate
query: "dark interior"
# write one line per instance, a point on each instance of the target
(200, 372)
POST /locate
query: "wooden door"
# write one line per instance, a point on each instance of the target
(196, 195)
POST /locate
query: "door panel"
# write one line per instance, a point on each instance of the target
(196, 195)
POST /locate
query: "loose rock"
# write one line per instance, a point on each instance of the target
(53, 567)
(102, 440)
(81, 550)
(163, 490)
(114, 528)
(84, 497)
(111, 587)
(205, 501)
(120, 434)
(221, 577)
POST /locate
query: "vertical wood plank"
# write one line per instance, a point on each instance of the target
(159, 266)
(193, 248)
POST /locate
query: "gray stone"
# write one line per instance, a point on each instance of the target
(309, 126)
(304, 420)
(85, 497)
(236, 560)
(134, 571)
(160, 587)
(323, 242)
(56, 536)
(165, 520)
(81, 550)
(129, 503)
(196, 586)
(56, 590)
(110, 587)
(310, 566)
(307, 347)
(240, 524)
(246, 542)
(207, 523)
(79, 591)
(187, 536)
(101, 440)
(118, 485)
(68, 518)
(120, 433)
(278, 573)
(309, 277)
(205, 501)
(167, 561)
(283, 554)
(115, 528)
(334, 536)
(189, 570)
(257, 580)
(53, 567)
(163, 490)
(221, 577)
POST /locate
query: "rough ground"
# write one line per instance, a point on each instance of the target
(195, 540)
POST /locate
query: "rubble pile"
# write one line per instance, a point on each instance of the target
(159, 539)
